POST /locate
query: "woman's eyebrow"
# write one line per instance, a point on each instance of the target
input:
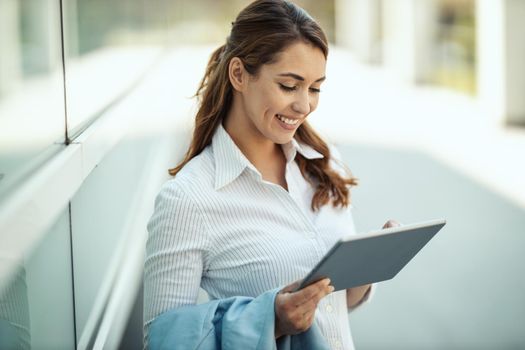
(298, 77)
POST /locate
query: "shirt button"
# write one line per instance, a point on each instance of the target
(338, 344)
(329, 308)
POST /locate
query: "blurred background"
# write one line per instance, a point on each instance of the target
(424, 98)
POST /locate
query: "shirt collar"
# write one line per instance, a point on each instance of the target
(230, 162)
(293, 147)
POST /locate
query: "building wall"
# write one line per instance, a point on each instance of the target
(87, 133)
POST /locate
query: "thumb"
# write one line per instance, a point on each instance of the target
(391, 223)
(291, 287)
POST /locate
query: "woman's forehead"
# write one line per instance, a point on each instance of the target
(302, 59)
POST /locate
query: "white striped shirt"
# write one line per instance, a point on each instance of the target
(218, 225)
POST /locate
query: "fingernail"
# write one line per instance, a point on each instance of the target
(327, 282)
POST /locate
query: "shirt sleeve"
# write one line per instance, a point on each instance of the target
(175, 252)
(366, 298)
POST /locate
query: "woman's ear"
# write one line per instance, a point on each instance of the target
(237, 74)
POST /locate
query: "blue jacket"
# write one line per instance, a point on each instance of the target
(230, 324)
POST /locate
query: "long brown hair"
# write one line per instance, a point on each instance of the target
(260, 31)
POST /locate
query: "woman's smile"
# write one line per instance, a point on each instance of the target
(287, 123)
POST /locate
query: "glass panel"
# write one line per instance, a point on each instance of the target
(36, 307)
(109, 46)
(99, 212)
(31, 87)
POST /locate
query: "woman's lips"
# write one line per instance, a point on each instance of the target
(287, 123)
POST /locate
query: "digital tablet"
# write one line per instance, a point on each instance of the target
(372, 257)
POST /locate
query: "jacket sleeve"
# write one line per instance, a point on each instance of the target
(250, 324)
(175, 252)
(229, 324)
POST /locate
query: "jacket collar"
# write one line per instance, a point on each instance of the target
(230, 162)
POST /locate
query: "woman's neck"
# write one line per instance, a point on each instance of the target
(263, 153)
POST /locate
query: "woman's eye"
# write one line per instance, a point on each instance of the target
(294, 88)
(287, 88)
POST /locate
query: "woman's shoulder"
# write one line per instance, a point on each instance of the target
(197, 174)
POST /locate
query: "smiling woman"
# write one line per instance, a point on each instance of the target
(254, 49)
(276, 101)
(258, 198)
(268, 108)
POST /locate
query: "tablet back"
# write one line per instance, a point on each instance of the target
(374, 256)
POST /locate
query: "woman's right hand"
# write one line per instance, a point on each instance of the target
(295, 311)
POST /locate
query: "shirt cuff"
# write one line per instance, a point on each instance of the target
(366, 298)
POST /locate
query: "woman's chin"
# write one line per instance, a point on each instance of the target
(283, 139)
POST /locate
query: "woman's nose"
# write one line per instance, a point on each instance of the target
(301, 104)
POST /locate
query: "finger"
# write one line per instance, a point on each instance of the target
(307, 307)
(308, 319)
(317, 298)
(309, 316)
(310, 292)
(290, 304)
(304, 312)
(306, 293)
(291, 287)
(311, 305)
(391, 223)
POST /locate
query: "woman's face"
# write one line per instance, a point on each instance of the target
(278, 100)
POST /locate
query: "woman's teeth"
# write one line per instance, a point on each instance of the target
(287, 121)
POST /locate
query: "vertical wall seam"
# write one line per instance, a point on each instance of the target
(62, 45)
(72, 274)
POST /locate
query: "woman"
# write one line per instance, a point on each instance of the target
(258, 198)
